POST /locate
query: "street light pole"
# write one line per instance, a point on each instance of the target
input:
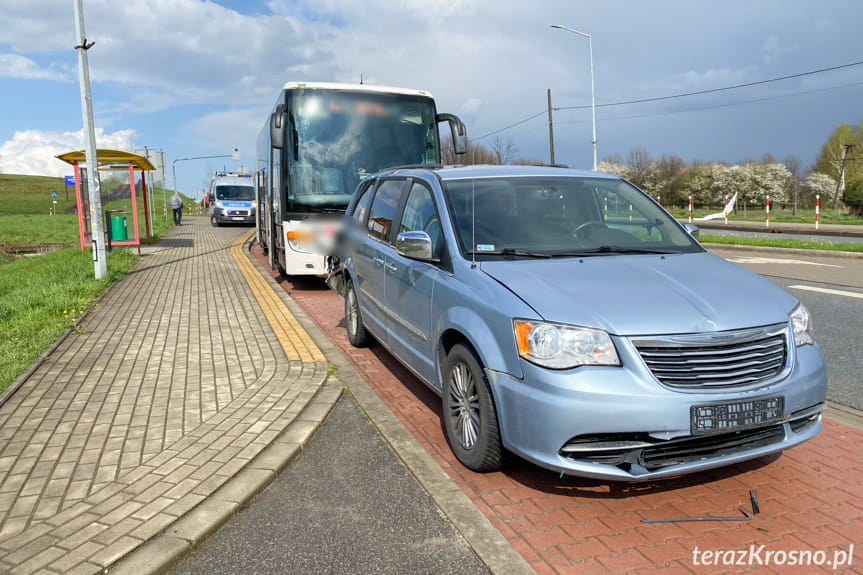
(592, 97)
(100, 264)
(235, 155)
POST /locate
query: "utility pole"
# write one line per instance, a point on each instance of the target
(840, 185)
(550, 128)
(93, 184)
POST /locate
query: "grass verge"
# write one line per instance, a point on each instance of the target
(41, 297)
(781, 243)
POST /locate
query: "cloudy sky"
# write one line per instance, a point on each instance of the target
(198, 78)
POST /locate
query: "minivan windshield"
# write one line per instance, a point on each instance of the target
(244, 193)
(554, 216)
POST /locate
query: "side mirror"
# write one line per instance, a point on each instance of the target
(416, 245)
(692, 229)
(278, 125)
(459, 133)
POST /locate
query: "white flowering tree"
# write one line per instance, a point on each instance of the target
(817, 183)
(611, 167)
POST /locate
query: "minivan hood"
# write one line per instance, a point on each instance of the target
(645, 294)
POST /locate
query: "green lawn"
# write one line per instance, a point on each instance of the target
(41, 297)
(781, 243)
(825, 216)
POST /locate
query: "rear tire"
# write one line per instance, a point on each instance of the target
(470, 418)
(357, 334)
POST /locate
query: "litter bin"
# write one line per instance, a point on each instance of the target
(118, 228)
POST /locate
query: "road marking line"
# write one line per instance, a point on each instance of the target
(830, 291)
(759, 260)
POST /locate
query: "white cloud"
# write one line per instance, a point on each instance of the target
(17, 66)
(773, 49)
(230, 129)
(34, 152)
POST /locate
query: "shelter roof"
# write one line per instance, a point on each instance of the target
(109, 159)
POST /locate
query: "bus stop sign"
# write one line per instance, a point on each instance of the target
(70, 180)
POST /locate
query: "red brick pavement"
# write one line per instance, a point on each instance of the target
(811, 497)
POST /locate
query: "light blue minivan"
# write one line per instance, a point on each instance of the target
(566, 317)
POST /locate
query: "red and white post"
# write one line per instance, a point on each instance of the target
(690, 209)
(725, 211)
(767, 213)
(817, 206)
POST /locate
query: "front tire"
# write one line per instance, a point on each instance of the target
(470, 418)
(214, 222)
(357, 334)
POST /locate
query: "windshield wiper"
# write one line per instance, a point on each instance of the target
(610, 250)
(518, 252)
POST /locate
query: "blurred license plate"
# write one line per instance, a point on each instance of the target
(238, 218)
(722, 417)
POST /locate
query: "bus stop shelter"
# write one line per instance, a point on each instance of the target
(110, 161)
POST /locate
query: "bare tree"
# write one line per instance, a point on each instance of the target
(639, 162)
(504, 150)
(792, 163)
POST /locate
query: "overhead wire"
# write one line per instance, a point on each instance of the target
(674, 96)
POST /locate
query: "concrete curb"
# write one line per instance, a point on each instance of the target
(189, 531)
(491, 547)
(844, 414)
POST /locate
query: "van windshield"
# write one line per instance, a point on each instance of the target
(560, 217)
(245, 193)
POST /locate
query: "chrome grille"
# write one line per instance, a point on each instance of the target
(719, 359)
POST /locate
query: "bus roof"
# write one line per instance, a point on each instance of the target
(354, 88)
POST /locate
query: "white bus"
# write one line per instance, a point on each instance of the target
(319, 143)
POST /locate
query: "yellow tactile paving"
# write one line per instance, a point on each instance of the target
(296, 342)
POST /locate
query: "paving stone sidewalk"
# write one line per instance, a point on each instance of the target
(147, 409)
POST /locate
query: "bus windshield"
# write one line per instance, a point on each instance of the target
(342, 137)
(246, 193)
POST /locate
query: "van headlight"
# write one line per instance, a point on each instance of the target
(801, 325)
(559, 346)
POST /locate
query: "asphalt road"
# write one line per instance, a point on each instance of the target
(346, 505)
(837, 313)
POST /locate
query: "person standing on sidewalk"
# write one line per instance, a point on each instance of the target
(177, 205)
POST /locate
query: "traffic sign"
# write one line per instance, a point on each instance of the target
(53, 193)
(70, 180)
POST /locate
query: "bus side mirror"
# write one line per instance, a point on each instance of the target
(459, 134)
(278, 126)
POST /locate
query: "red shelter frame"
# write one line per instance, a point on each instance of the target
(111, 160)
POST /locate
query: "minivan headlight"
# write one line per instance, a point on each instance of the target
(801, 324)
(559, 346)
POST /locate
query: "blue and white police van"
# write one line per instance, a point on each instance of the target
(232, 199)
